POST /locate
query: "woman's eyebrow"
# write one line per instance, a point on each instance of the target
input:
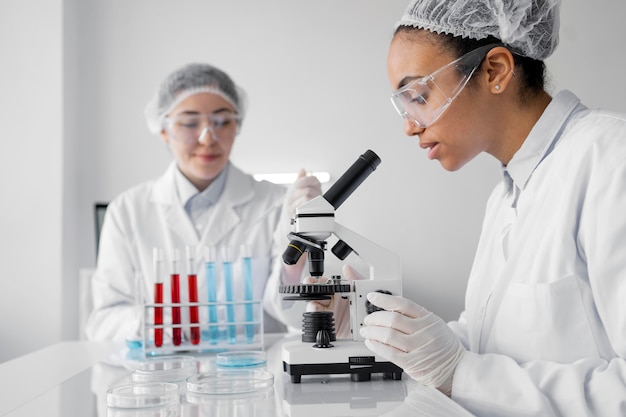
(407, 80)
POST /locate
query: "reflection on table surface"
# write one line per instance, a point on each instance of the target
(84, 394)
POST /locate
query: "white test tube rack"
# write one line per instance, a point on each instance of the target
(229, 325)
(214, 336)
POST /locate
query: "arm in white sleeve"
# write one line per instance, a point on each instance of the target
(492, 384)
(114, 315)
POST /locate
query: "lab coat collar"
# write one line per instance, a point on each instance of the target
(542, 138)
(238, 190)
(186, 190)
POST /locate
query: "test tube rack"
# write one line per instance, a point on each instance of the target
(219, 335)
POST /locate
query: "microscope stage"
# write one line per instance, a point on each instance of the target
(345, 357)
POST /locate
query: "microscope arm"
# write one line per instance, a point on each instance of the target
(382, 263)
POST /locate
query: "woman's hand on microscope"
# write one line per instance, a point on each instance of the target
(338, 305)
(413, 338)
(304, 188)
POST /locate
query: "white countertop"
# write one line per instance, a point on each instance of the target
(71, 378)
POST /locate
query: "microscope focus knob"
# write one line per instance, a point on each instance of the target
(322, 340)
(341, 250)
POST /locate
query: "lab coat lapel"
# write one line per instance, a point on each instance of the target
(225, 218)
(175, 216)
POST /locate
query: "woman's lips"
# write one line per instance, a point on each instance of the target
(207, 158)
(432, 148)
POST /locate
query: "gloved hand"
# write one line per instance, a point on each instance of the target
(339, 306)
(303, 189)
(413, 338)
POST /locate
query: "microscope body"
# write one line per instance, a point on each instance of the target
(315, 220)
(313, 224)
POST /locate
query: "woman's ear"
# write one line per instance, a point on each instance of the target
(164, 136)
(499, 66)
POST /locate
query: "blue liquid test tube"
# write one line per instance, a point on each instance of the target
(248, 290)
(227, 268)
(211, 286)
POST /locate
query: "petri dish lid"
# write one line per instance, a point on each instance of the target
(155, 394)
(230, 382)
(165, 369)
(241, 359)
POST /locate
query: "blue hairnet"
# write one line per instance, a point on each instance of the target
(189, 80)
(529, 27)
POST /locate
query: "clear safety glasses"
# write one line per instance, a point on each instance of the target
(423, 100)
(191, 128)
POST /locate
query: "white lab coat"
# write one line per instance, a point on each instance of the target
(545, 313)
(150, 215)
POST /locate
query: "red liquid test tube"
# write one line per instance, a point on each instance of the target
(158, 296)
(158, 314)
(192, 285)
(177, 331)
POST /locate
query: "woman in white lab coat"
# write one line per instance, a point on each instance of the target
(202, 200)
(544, 327)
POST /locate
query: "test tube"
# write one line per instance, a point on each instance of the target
(211, 286)
(175, 292)
(227, 267)
(192, 285)
(248, 290)
(158, 296)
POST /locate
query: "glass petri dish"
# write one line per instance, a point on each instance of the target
(225, 382)
(241, 359)
(165, 411)
(165, 369)
(155, 394)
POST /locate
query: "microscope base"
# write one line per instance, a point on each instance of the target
(345, 357)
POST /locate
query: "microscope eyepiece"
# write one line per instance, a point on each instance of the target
(352, 178)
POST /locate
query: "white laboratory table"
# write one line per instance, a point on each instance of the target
(70, 379)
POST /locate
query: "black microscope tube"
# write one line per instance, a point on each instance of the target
(352, 178)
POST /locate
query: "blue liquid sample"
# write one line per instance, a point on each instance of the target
(248, 296)
(211, 286)
(243, 359)
(230, 307)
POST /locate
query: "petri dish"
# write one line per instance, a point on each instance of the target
(241, 359)
(155, 394)
(165, 369)
(164, 411)
(226, 382)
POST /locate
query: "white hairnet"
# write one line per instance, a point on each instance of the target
(529, 27)
(187, 81)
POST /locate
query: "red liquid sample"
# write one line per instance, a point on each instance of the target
(158, 313)
(177, 331)
(192, 282)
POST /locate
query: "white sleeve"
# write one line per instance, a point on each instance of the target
(496, 385)
(493, 384)
(114, 315)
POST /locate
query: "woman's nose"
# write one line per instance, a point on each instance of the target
(411, 128)
(207, 135)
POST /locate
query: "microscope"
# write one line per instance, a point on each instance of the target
(319, 351)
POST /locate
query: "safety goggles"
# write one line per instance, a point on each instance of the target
(191, 128)
(423, 100)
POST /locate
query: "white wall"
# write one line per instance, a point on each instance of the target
(319, 97)
(31, 175)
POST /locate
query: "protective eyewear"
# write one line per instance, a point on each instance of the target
(191, 128)
(423, 100)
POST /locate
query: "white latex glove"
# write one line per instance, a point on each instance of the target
(303, 189)
(413, 338)
(339, 306)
